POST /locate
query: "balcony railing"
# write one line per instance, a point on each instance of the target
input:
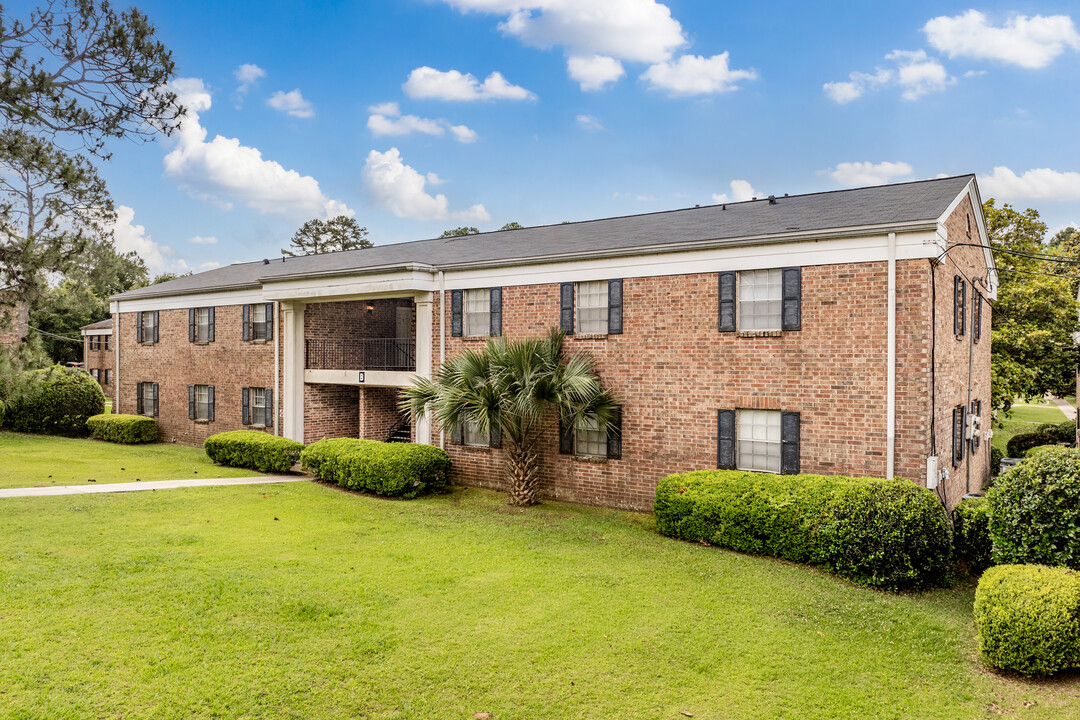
(366, 354)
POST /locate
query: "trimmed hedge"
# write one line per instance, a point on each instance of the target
(1045, 434)
(2, 408)
(1035, 511)
(253, 449)
(971, 534)
(882, 533)
(402, 470)
(54, 401)
(995, 462)
(1028, 618)
(122, 428)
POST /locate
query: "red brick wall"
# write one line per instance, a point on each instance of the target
(331, 411)
(378, 412)
(101, 360)
(351, 320)
(228, 363)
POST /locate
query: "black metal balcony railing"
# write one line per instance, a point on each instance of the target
(366, 354)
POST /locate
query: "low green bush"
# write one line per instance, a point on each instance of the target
(1028, 618)
(53, 401)
(253, 449)
(971, 534)
(402, 470)
(1062, 432)
(1041, 449)
(882, 533)
(1034, 511)
(995, 461)
(1045, 434)
(122, 428)
(2, 408)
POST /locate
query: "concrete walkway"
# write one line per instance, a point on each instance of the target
(1069, 410)
(139, 486)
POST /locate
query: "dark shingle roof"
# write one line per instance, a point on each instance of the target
(882, 205)
(105, 324)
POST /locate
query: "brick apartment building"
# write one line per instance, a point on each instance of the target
(98, 355)
(840, 332)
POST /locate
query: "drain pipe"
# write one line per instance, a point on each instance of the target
(442, 339)
(278, 339)
(971, 372)
(890, 407)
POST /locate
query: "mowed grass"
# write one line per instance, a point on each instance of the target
(1024, 418)
(302, 601)
(30, 460)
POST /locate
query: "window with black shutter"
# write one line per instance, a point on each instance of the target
(258, 320)
(615, 307)
(727, 289)
(566, 309)
(789, 443)
(959, 421)
(959, 305)
(725, 439)
(255, 406)
(139, 327)
(456, 320)
(791, 313)
(495, 315)
(976, 315)
(245, 406)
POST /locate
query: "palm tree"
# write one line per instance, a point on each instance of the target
(521, 388)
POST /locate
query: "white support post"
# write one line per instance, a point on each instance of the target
(293, 392)
(424, 327)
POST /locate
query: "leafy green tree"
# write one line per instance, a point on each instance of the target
(460, 232)
(512, 226)
(167, 276)
(521, 388)
(1036, 314)
(333, 235)
(80, 69)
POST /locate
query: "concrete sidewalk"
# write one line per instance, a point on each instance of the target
(139, 486)
(1069, 410)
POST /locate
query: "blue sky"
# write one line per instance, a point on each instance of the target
(421, 115)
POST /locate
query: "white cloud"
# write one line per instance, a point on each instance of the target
(247, 75)
(386, 119)
(291, 102)
(696, 75)
(916, 74)
(200, 240)
(224, 167)
(130, 237)
(741, 191)
(1028, 42)
(589, 122)
(594, 71)
(428, 83)
(1036, 184)
(400, 189)
(209, 265)
(856, 174)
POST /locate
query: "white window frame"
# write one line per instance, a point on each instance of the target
(257, 407)
(591, 304)
(202, 325)
(148, 326)
(202, 403)
(477, 320)
(758, 440)
(257, 318)
(589, 439)
(761, 300)
(471, 435)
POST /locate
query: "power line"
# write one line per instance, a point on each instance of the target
(45, 332)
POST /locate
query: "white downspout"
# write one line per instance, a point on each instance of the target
(278, 339)
(115, 310)
(442, 339)
(890, 406)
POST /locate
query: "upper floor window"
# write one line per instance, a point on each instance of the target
(95, 342)
(105, 339)
(760, 299)
(201, 324)
(258, 321)
(477, 314)
(959, 305)
(593, 307)
(146, 326)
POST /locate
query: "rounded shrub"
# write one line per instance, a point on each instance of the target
(403, 470)
(971, 534)
(882, 533)
(127, 429)
(1028, 618)
(254, 450)
(1034, 511)
(54, 401)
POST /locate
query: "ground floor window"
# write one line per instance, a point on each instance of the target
(589, 439)
(258, 406)
(146, 400)
(758, 445)
(201, 402)
(473, 435)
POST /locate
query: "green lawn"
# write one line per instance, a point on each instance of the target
(1024, 418)
(302, 601)
(30, 460)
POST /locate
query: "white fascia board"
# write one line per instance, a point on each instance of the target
(836, 251)
(179, 302)
(972, 193)
(406, 283)
(372, 378)
(107, 331)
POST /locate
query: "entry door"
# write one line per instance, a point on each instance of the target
(404, 336)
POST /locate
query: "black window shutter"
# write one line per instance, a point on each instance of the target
(791, 315)
(155, 386)
(191, 324)
(959, 291)
(269, 321)
(614, 436)
(976, 315)
(269, 422)
(210, 398)
(727, 302)
(458, 436)
(789, 443)
(191, 402)
(566, 308)
(495, 435)
(614, 308)
(245, 407)
(139, 399)
(138, 327)
(496, 312)
(245, 334)
(210, 333)
(725, 439)
(455, 313)
(566, 437)
(156, 325)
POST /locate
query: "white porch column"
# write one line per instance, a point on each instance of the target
(424, 336)
(292, 401)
